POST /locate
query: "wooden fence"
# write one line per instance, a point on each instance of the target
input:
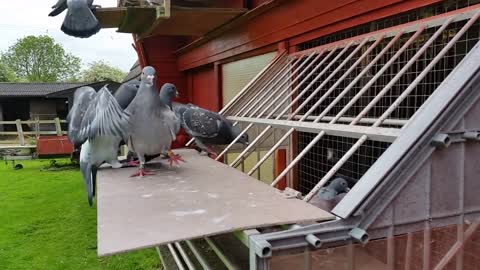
(20, 133)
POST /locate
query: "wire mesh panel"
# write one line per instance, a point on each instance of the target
(340, 105)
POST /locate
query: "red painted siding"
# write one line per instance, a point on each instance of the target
(203, 89)
(54, 145)
(158, 52)
(291, 20)
(256, 3)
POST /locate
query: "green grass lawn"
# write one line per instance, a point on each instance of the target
(46, 223)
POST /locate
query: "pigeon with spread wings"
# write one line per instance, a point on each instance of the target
(97, 123)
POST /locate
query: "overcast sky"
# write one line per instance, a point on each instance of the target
(30, 17)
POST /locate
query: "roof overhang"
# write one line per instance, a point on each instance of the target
(166, 20)
(112, 86)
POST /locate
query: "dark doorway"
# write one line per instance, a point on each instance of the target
(13, 110)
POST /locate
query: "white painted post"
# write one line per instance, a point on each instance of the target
(37, 127)
(58, 127)
(21, 137)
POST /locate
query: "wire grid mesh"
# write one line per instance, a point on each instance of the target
(346, 77)
(313, 166)
(398, 19)
(326, 153)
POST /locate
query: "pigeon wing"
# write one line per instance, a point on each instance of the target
(82, 99)
(201, 123)
(58, 8)
(180, 108)
(105, 117)
(173, 122)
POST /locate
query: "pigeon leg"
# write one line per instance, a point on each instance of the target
(141, 171)
(174, 158)
(133, 163)
(211, 152)
(202, 147)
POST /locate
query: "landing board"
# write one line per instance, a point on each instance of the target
(201, 198)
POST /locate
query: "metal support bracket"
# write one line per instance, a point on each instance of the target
(260, 246)
(447, 138)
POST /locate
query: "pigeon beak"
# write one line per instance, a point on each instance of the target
(177, 95)
(150, 78)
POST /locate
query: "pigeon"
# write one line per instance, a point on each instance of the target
(207, 127)
(167, 93)
(98, 124)
(154, 124)
(126, 92)
(80, 20)
(328, 196)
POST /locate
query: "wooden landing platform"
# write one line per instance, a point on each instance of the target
(201, 198)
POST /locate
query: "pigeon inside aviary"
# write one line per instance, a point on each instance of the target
(80, 21)
(328, 196)
(98, 124)
(207, 127)
(154, 124)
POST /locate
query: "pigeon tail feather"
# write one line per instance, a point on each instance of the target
(80, 22)
(87, 173)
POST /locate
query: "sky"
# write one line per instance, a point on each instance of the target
(30, 17)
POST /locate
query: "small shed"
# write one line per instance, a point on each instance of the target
(381, 93)
(43, 101)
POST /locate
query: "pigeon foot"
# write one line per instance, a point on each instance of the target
(211, 153)
(142, 172)
(174, 159)
(133, 163)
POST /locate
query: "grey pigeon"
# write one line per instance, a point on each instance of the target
(154, 124)
(98, 124)
(207, 127)
(80, 20)
(126, 93)
(328, 196)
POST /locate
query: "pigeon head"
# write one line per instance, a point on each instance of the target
(243, 139)
(148, 75)
(340, 185)
(167, 93)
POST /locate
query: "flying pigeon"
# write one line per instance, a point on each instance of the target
(98, 124)
(328, 196)
(80, 20)
(154, 124)
(207, 127)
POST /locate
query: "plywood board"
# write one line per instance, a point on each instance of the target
(201, 198)
(189, 21)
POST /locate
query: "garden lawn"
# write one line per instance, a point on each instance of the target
(46, 223)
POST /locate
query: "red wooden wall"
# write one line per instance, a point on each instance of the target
(294, 21)
(159, 52)
(201, 90)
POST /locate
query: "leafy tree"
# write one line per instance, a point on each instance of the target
(6, 74)
(101, 71)
(41, 59)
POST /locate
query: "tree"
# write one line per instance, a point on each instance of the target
(101, 71)
(41, 59)
(6, 74)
